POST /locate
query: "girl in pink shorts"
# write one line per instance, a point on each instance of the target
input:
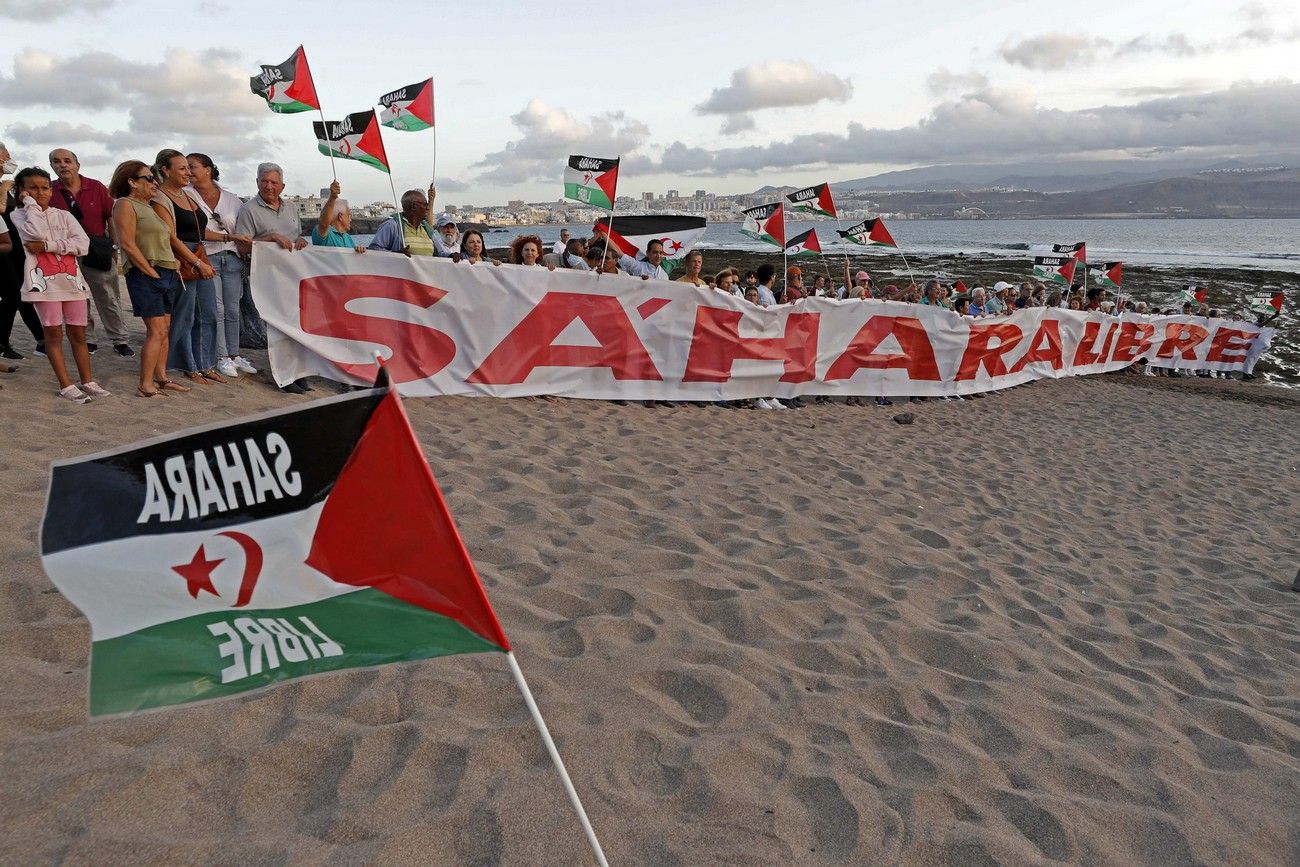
(52, 280)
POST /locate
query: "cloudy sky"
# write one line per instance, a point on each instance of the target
(724, 96)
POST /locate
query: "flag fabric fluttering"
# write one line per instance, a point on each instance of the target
(1057, 269)
(356, 137)
(1109, 275)
(592, 181)
(814, 200)
(409, 108)
(868, 233)
(226, 558)
(1193, 295)
(1267, 305)
(1078, 250)
(630, 235)
(765, 223)
(287, 88)
(805, 244)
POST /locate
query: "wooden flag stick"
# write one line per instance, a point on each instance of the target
(555, 758)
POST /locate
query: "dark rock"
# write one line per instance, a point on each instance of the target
(904, 418)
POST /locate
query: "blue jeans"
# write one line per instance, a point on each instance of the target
(230, 274)
(203, 333)
(180, 346)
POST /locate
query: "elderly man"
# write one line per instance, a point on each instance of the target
(408, 232)
(90, 204)
(447, 242)
(562, 245)
(267, 217)
(11, 269)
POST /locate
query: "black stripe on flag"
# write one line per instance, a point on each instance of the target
(206, 478)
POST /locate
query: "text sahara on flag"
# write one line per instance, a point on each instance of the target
(230, 557)
(288, 87)
(409, 108)
(356, 137)
(592, 181)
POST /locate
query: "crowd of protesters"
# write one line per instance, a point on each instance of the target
(183, 243)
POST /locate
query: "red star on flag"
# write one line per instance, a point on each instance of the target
(198, 573)
(673, 246)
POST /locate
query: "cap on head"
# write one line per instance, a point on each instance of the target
(860, 276)
(445, 220)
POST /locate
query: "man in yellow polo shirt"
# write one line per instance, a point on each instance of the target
(409, 232)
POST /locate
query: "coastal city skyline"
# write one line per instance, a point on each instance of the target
(783, 99)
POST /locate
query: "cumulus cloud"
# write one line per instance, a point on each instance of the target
(189, 100)
(549, 135)
(48, 10)
(943, 82)
(1051, 51)
(1005, 125)
(774, 84)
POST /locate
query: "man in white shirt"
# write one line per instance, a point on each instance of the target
(766, 274)
(648, 268)
(560, 245)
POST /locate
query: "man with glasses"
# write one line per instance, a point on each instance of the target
(90, 204)
(408, 232)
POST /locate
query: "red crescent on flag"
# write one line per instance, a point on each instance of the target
(252, 565)
(270, 93)
(345, 147)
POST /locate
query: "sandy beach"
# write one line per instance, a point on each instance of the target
(1052, 624)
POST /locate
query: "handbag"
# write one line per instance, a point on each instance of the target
(100, 254)
(190, 273)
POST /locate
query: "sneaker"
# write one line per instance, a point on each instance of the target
(776, 404)
(7, 351)
(123, 349)
(95, 388)
(244, 365)
(293, 388)
(92, 348)
(226, 367)
(74, 394)
(884, 401)
(762, 403)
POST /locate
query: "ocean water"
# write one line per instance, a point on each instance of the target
(1268, 244)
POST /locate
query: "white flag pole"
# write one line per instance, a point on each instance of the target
(785, 255)
(555, 757)
(328, 138)
(905, 265)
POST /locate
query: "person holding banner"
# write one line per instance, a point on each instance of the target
(648, 268)
(335, 222)
(447, 241)
(527, 250)
(408, 232)
(694, 265)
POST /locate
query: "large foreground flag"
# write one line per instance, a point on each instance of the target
(287, 88)
(1109, 275)
(592, 181)
(1057, 269)
(765, 223)
(631, 235)
(868, 233)
(409, 108)
(805, 244)
(226, 558)
(814, 200)
(356, 137)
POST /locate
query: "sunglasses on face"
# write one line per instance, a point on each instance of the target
(150, 178)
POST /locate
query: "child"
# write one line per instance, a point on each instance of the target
(52, 280)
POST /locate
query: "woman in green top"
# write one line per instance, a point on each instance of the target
(335, 222)
(151, 278)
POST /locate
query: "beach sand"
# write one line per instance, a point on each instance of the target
(1051, 624)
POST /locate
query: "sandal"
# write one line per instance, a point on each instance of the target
(195, 376)
(211, 375)
(171, 384)
(140, 392)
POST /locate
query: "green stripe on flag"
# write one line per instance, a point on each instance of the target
(589, 195)
(187, 660)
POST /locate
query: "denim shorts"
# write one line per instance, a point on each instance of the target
(150, 297)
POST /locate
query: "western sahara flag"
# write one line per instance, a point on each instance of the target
(1108, 276)
(230, 557)
(765, 223)
(1267, 305)
(356, 137)
(409, 108)
(592, 181)
(814, 200)
(805, 244)
(631, 235)
(287, 88)
(1193, 295)
(1057, 269)
(1079, 251)
(868, 233)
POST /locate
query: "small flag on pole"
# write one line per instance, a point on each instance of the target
(1079, 251)
(287, 88)
(1109, 275)
(631, 235)
(813, 200)
(409, 108)
(805, 244)
(356, 137)
(234, 556)
(868, 233)
(1268, 305)
(592, 181)
(1057, 269)
(765, 223)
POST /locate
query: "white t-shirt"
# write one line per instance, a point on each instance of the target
(227, 210)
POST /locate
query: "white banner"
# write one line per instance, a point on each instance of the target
(509, 331)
